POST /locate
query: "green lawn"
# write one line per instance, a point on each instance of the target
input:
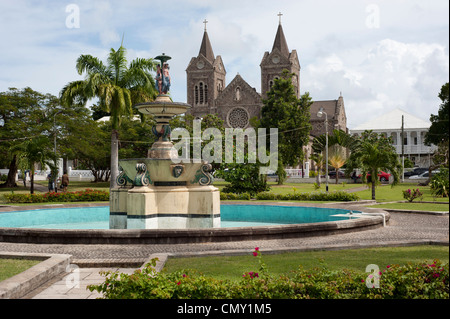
(232, 267)
(11, 267)
(388, 193)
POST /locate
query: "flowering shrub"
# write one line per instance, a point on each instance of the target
(440, 183)
(399, 282)
(411, 195)
(88, 195)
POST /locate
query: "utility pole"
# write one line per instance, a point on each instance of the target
(403, 150)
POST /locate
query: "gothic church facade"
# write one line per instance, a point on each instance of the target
(237, 102)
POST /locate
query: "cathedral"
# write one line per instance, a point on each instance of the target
(237, 102)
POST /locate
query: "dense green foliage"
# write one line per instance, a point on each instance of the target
(439, 129)
(422, 280)
(313, 196)
(291, 115)
(243, 178)
(374, 152)
(440, 183)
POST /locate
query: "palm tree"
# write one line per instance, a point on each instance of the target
(320, 164)
(337, 159)
(117, 86)
(32, 152)
(373, 153)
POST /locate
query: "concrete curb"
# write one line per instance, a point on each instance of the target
(21, 284)
(316, 248)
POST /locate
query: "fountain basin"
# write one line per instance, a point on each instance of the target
(197, 235)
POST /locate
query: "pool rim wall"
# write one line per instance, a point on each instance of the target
(195, 235)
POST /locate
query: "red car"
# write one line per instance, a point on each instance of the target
(383, 176)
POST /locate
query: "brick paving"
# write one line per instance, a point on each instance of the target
(402, 229)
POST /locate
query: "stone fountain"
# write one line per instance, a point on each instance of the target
(161, 191)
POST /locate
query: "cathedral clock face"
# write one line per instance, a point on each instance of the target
(276, 59)
(200, 65)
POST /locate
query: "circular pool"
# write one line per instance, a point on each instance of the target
(238, 222)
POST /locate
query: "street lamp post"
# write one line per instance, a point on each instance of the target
(320, 114)
(54, 141)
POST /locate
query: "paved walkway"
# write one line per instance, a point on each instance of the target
(402, 229)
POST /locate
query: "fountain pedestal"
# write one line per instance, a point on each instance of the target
(164, 195)
(161, 192)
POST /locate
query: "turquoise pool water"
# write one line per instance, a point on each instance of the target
(231, 216)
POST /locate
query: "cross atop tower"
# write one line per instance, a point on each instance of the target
(205, 22)
(279, 15)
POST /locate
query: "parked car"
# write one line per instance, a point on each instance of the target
(423, 175)
(332, 174)
(382, 176)
(416, 171)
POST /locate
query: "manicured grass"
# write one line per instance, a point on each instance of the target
(415, 206)
(75, 186)
(233, 267)
(388, 193)
(11, 267)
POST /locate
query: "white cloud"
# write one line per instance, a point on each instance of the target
(401, 63)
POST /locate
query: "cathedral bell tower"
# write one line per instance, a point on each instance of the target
(205, 79)
(279, 59)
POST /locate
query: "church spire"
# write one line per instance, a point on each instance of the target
(280, 41)
(206, 48)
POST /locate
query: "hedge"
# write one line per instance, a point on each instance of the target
(420, 280)
(314, 196)
(88, 195)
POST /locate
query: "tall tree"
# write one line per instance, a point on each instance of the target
(283, 110)
(117, 86)
(373, 153)
(37, 150)
(439, 129)
(337, 159)
(337, 137)
(23, 115)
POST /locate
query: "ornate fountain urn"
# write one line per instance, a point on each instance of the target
(160, 191)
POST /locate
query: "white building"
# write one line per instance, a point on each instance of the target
(414, 129)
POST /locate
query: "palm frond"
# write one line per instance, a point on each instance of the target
(90, 64)
(117, 63)
(74, 94)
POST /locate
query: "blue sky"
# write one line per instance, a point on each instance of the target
(380, 54)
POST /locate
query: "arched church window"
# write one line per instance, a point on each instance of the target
(238, 93)
(201, 92)
(196, 95)
(206, 94)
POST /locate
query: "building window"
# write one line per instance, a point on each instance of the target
(196, 95)
(200, 94)
(238, 93)
(238, 118)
